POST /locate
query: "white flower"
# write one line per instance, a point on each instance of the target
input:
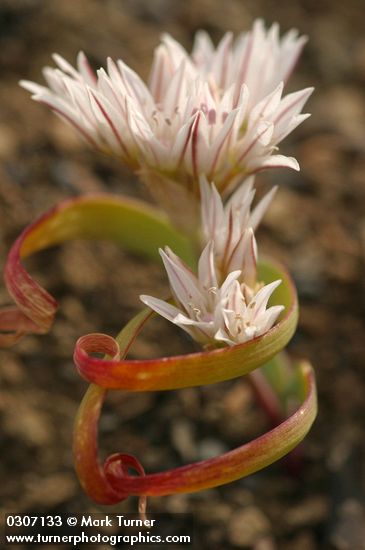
(243, 319)
(219, 112)
(210, 313)
(231, 228)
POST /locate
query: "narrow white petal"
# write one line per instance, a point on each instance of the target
(269, 318)
(200, 331)
(161, 69)
(182, 141)
(222, 60)
(175, 90)
(229, 281)
(135, 86)
(183, 284)
(221, 336)
(206, 268)
(69, 114)
(203, 50)
(113, 121)
(284, 127)
(290, 49)
(66, 67)
(292, 103)
(260, 209)
(177, 54)
(260, 300)
(160, 306)
(248, 260)
(85, 69)
(55, 80)
(212, 210)
(268, 106)
(33, 88)
(256, 142)
(274, 161)
(221, 139)
(242, 198)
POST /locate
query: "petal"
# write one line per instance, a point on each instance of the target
(161, 73)
(66, 67)
(183, 283)
(259, 301)
(260, 209)
(290, 49)
(200, 331)
(114, 122)
(229, 281)
(33, 87)
(175, 92)
(203, 50)
(292, 104)
(221, 336)
(182, 141)
(269, 318)
(85, 70)
(135, 87)
(245, 258)
(222, 60)
(222, 137)
(266, 108)
(55, 80)
(212, 211)
(161, 307)
(206, 268)
(273, 161)
(177, 54)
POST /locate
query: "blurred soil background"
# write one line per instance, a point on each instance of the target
(316, 225)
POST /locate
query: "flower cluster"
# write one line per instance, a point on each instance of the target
(218, 112)
(223, 303)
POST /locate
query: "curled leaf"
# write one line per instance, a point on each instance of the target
(113, 478)
(85, 447)
(137, 226)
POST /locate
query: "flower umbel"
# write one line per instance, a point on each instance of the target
(224, 302)
(210, 313)
(219, 112)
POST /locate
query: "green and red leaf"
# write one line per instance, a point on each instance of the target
(134, 224)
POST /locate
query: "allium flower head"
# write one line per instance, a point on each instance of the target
(210, 313)
(218, 112)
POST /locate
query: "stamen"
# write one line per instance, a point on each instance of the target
(198, 313)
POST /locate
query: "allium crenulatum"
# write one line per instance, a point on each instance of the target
(196, 134)
(221, 112)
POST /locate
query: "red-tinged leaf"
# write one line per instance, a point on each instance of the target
(135, 225)
(213, 472)
(90, 472)
(13, 325)
(85, 448)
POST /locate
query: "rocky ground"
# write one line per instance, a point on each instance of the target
(315, 225)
